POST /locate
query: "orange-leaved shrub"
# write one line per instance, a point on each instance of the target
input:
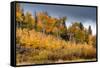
(36, 47)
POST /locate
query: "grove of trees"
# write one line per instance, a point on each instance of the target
(56, 36)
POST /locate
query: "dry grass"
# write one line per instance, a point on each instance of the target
(36, 47)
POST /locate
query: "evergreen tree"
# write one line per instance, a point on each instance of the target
(35, 26)
(81, 26)
(89, 30)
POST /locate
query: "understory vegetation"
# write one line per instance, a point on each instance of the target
(36, 47)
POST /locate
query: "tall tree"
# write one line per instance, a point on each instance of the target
(35, 25)
(29, 21)
(89, 30)
(81, 26)
(19, 17)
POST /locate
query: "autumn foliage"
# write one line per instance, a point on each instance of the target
(46, 39)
